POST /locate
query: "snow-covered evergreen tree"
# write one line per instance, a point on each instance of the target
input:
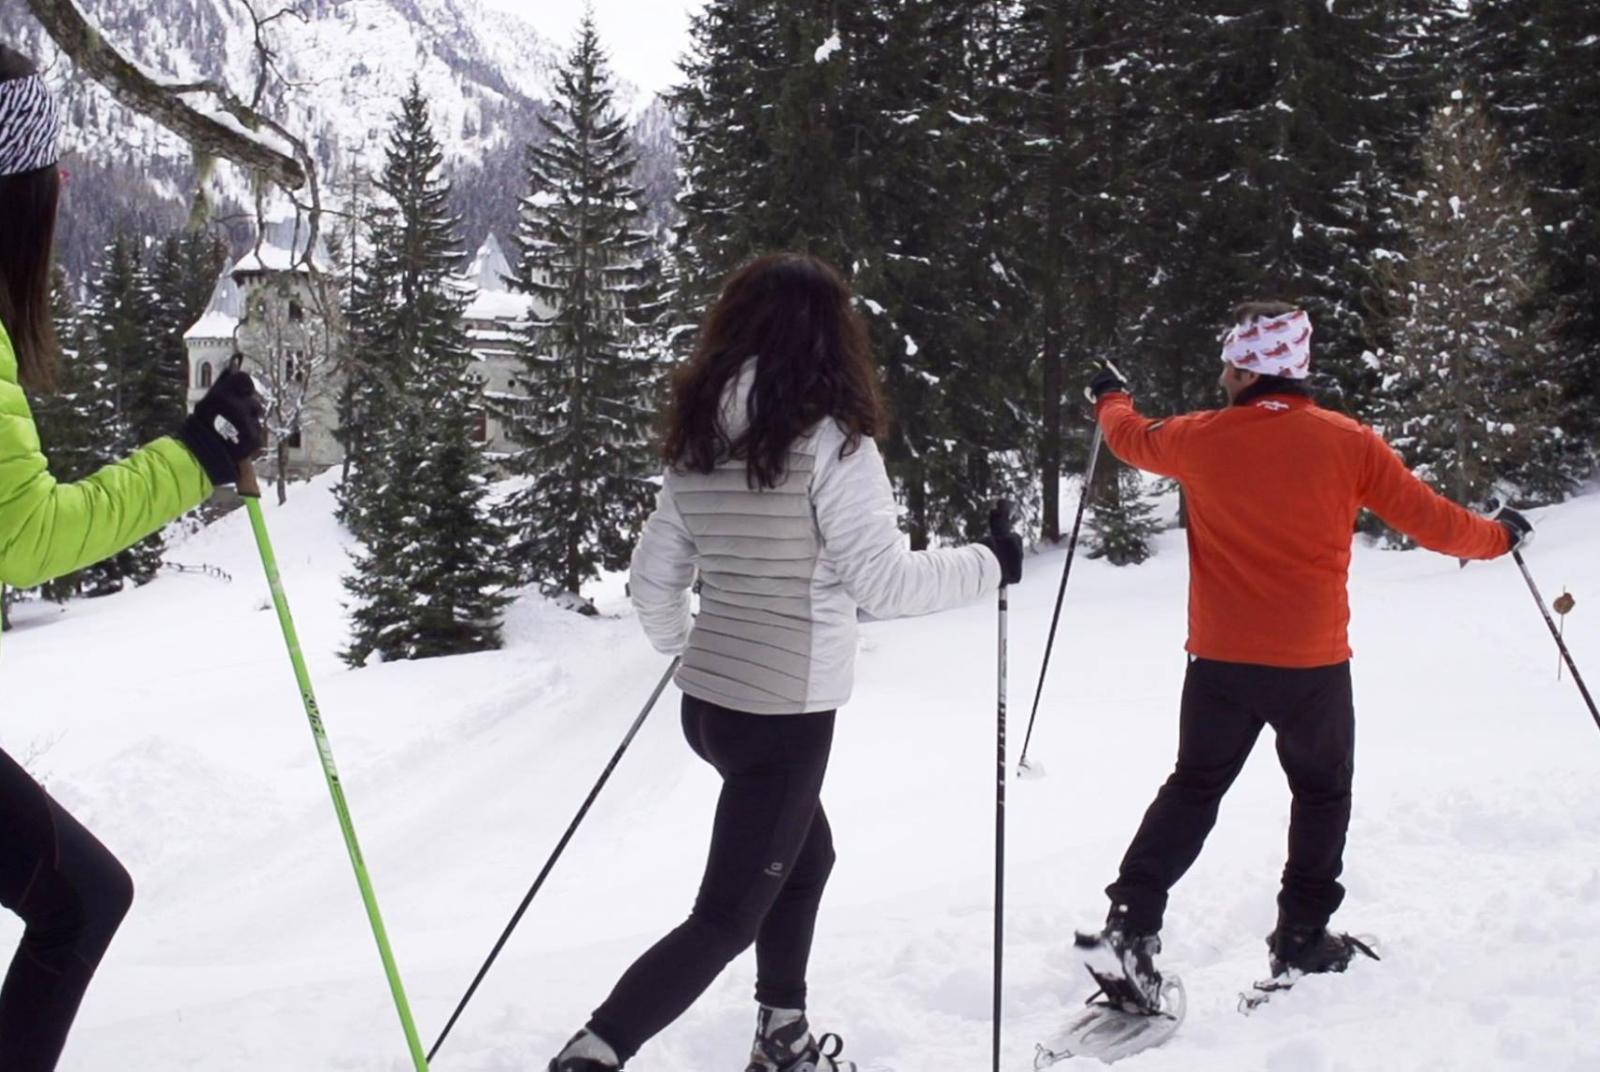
(590, 350)
(1473, 388)
(1122, 521)
(66, 417)
(431, 577)
(1537, 64)
(119, 339)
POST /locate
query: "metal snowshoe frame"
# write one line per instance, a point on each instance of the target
(1113, 1027)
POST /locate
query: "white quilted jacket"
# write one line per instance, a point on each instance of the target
(783, 571)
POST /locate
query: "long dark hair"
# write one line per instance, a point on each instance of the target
(25, 242)
(793, 313)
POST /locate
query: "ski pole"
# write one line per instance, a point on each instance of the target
(1555, 633)
(1000, 525)
(250, 491)
(561, 846)
(1061, 593)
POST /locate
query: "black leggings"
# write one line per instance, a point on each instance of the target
(771, 853)
(1225, 705)
(71, 893)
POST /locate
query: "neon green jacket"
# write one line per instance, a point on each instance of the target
(48, 529)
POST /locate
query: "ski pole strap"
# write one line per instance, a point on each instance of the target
(1555, 634)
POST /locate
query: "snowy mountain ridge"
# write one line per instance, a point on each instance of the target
(338, 68)
(337, 72)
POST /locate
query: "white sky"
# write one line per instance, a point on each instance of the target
(645, 37)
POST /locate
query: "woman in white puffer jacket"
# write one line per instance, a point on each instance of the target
(776, 496)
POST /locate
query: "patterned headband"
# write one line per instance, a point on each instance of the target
(30, 125)
(1272, 346)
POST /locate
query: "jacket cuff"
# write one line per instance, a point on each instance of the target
(990, 564)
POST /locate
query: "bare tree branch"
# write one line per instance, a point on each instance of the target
(169, 105)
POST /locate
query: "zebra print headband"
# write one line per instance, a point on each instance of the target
(30, 125)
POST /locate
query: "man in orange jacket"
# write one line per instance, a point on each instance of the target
(1273, 484)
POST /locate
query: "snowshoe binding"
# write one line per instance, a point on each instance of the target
(785, 1044)
(1134, 1009)
(1295, 952)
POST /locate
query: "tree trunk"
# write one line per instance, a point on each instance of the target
(282, 479)
(1050, 446)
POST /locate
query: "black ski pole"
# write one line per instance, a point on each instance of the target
(1061, 593)
(561, 846)
(999, 526)
(1555, 633)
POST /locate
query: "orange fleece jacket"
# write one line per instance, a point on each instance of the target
(1273, 489)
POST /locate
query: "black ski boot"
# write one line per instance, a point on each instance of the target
(1301, 950)
(790, 1047)
(1123, 965)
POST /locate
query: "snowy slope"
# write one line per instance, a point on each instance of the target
(168, 719)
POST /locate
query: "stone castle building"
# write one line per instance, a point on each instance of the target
(264, 310)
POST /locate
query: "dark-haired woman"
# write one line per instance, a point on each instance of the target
(776, 496)
(69, 890)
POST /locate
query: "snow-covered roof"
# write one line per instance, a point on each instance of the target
(222, 311)
(498, 305)
(495, 300)
(281, 249)
(490, 266)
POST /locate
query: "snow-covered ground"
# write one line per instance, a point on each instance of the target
(167, 718)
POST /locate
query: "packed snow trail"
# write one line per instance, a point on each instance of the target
(167, 718)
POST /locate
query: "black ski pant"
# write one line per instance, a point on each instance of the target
(771, 853)
(71, 894)
(1224, 707)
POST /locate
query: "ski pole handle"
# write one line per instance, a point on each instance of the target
(247, 484)
(1000, 518)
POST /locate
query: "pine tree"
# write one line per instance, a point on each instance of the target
(1537, 64)
(66, 417)
(182, 271)
(375, 366)
(872, 135)
(431, 577)
(1473, 386)
(118, 339)
(588, 354)
(1123, 521)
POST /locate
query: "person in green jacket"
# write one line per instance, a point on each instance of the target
(68, 888)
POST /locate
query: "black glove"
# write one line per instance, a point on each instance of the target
(1106, 380)
(1519, 527)
(225, 427)
(1005, 545)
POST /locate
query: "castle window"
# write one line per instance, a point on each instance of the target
(295, 311)
(293, 439)
(481, 430)
(205, 374)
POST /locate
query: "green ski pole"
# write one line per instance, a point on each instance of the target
(250, 490)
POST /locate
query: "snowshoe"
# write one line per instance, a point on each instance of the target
(1123, 966)
(1312, 951)
(791, 1048)
(1295, 952)
(1107, 1032)
(1134, 1009)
